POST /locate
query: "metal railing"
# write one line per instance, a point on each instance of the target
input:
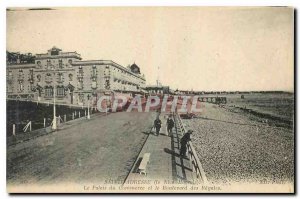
(195, 161)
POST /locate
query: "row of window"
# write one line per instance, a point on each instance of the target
(60, 91)
(49, 63)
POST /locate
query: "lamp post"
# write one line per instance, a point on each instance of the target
(88, 113)
(54, 125)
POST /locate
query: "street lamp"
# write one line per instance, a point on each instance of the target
(54, 125)
(88, 116)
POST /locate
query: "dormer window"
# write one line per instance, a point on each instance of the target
(70, 61)
(54, 52)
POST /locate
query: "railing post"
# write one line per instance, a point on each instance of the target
(72, 116)
(14, 130)
(75, 113)
(79, 114)
(30, 126)
(44, 122)
(65, 118)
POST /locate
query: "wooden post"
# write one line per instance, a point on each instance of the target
(14, 130)
(72, 116)
(75, 113)
(30, 126)
(65, 118)
(85, 113)
(79, 114)
(44, 122)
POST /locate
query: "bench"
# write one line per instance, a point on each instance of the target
(143, 164)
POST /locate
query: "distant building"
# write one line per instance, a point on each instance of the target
(157, 90)
(75, 81)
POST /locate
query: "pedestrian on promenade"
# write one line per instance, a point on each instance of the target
(157, 124)
(170, 125)
(183, 142)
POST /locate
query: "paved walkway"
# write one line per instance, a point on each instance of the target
(165, 163)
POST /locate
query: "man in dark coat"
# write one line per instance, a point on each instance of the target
(170, 125)
(157, 124)
(183, 142)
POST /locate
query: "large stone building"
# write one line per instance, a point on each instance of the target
(74, 81)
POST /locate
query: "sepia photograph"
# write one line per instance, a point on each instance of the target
(184, 99)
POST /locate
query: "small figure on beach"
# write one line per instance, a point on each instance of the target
(170, 125)
(183, 142)
(157, 124)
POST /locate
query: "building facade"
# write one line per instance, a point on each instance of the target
(73, 80)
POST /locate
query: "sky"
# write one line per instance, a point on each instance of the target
(198, 48)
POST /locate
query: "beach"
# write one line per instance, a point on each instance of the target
(235, 148)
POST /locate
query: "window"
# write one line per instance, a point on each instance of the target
(80, 98)
(38, 78)
(94, 84)
(60, 91)
(31, 76)
(10, 88)
(48, 63)
(10, 75)
(54, 52)
(48, 92)
(60, 77)
(39, 63)
(21, 86)
(70, 61)
(94, 72)
(80, 85)
(80, 72)
(21, 74)
(60, 63)
(70, 77)
(48, 78)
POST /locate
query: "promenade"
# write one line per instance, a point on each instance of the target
(165, 162)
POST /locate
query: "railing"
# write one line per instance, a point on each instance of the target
(75, 115)
(196, 164)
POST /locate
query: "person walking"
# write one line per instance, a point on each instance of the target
(170, 125)
(157, 124)
(183, 142)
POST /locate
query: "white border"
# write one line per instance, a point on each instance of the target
(59, 3)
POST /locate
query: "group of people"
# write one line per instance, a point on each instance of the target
(170, 125)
